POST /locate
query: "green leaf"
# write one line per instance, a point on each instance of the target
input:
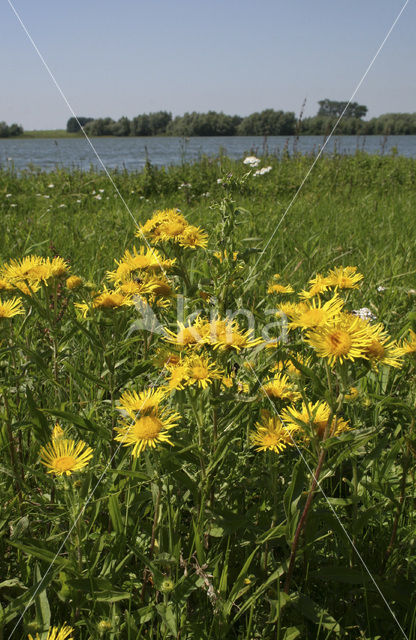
(167, 614)
(115, 513)
(314, 612)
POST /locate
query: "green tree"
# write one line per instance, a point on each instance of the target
(335, 108)
(74, 124)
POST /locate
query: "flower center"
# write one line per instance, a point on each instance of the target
(64, 463)
(339, 342)
(187, 336)
(147, 428)
(199, 372)
(173, 228)
(376, 350)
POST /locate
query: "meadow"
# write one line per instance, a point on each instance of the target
(208, 401)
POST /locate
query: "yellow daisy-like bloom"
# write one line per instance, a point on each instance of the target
(74, 282)
(290, 367)
(279, 288)
(33, 270)
(27, 290)
(271, 434)
(291, 309)
(344, 278)
(56, 634)
(63, 456)
(10, 308)
(5, 285)
(162, 287)
(147, 430)
(383, 350)
(315, 417)
(27, 269)
(178, 375)
(193, 237)
(164, 225)
(58, 267)
(279, 388)
(315, 314)
(202, 371)
(227, 382)
(226, 334)
(409, 345)
(143, 260)
(143, 402)
(105, 299)
(187, 336)
(317, 286)
(136, 287)
(345, 339)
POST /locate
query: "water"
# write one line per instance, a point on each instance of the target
(131, 153)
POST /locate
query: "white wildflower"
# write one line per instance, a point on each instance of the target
(252, 161)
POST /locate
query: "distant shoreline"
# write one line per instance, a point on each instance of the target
(61, 133)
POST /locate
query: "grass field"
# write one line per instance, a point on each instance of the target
(243, 477)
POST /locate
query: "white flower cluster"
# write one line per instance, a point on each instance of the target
(252, 161)
(262, 171)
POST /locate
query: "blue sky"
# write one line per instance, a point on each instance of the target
(237, 56)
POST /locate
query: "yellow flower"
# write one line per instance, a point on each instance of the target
(105, 299)
(383, 350)
(315, 314)
(227, 382)
(143, 260)
(57, 432)
(314, 417)
(164, 225)
(63, 456)
(272, 434)
(143, 402)
(10, 308)
(201, 371)
(187, 336)
(33, 270)
(344, 278)
(193, 237)
(223, 255)
(74, 282)
(279, 288)
(55, 633)
(346, 339)
(28, 269)
(317, 286)
(58, 267)
(178, 375)
(5, 285)
(147, 430)
(352, 395)
(409, 345)
(279, 388)
(290, 367)
(136, 287)
(226, 334)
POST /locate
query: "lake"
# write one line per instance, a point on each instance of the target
(131, 153)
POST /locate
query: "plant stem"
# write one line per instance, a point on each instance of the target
(302, 520)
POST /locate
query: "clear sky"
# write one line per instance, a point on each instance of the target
(125, 57)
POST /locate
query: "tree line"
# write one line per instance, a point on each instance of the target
(268, 122)
(10, 131)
